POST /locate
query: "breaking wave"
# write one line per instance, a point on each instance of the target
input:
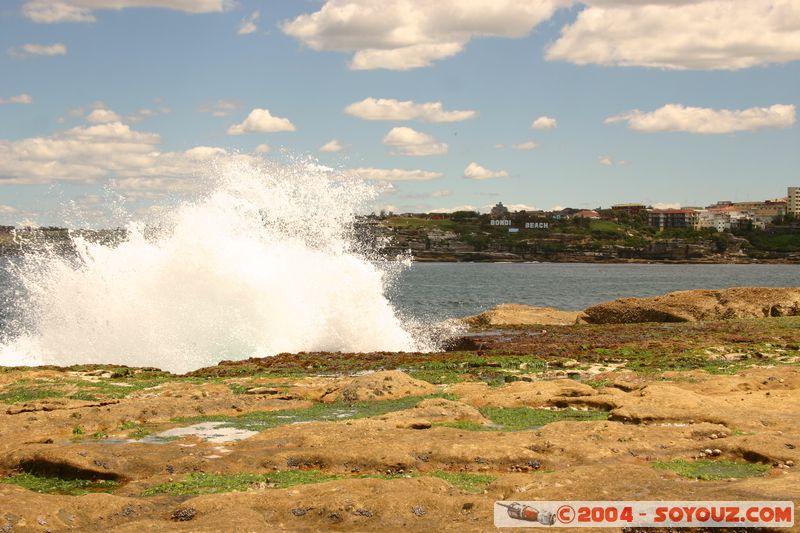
(265, 261)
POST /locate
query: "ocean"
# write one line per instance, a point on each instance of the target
(443, 290)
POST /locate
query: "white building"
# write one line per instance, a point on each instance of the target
(793, 206)
(723, 219)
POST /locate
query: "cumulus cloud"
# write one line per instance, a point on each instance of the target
(113, 151)
(263, 149)
(138, 116)
(408, 141)
(220, 108)
(55, 11)
(682, 34)
(521, 207)
(248, 24)
(544, 123)
(18, 99)
(409, 34)
(30, 49)
(102, 116)
(529, 145)
(476, 172)
(703, 120)
(608, 161)
(465, 207)
(261, 121)
(332, 146)
(390, 109)
(393, 174)
(49, 12)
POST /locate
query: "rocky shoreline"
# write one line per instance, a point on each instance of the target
(679, 306)
(707, 409)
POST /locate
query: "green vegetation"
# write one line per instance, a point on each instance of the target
(28, 394)
(417, 223)
(525, 418)
(200, 483)
(261, 420)
(464, 481)
(236, 388)
(491, 369)
(137, 431)
(710, 470)
(604, 228)
(521, 418)
(54, 485)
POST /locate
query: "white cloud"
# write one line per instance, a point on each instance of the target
(393, 174)
(7, 209)
(261, 121)
(408, 34)
(610, 162)
(332, 146)
(248, 24)
(530, 145)
(408, 141)
(476, 172)
(682, 34)
(30, 49)
(113, 151)
(263, 149)
(703, 120)
(521, 207)
(390, 109)
(49, 12)
(54, 11)
(441, 193)
(138, 116)
(466, 207)
(102, 116)
(18, 99)
(220, 108)
(544, 123)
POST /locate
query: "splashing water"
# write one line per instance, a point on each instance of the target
(263, 263)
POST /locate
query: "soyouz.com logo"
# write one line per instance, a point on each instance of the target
(738, 514)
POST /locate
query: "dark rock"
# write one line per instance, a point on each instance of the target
(184, 514)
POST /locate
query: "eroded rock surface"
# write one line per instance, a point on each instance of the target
(388, 450)
(689, 306)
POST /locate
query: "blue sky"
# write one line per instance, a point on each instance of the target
(715, 87)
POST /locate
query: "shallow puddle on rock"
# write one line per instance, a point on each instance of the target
(208, 431)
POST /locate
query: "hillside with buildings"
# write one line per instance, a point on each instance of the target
(763, 231)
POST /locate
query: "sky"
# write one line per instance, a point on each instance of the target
(444, 104)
